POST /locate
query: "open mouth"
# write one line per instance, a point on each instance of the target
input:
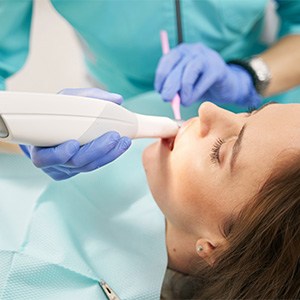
(169, 143)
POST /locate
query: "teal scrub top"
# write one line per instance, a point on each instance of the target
(121, 38)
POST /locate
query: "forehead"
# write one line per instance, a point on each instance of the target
(270, 133)
(277, 121)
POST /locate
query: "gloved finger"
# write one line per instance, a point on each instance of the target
(25, 149)
(172, 83)
(165, 66)
(203, 84)
(93, 93)
(192, 72)
(46, 157)
(59, 172)
(122, 145)
(94, 150)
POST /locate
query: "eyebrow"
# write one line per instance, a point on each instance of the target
(236, 148)
(237, 145)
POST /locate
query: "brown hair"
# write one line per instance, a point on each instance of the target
(262, 260)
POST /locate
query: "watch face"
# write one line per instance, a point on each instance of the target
(262, 73)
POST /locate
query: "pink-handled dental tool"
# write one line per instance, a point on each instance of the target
(165, 49)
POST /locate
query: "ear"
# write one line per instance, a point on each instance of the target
(208, 249)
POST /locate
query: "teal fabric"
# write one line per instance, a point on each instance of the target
(121, 38)
(58, 239)
(150, 104)
(2, 84)
(288, 11)
(15, 22)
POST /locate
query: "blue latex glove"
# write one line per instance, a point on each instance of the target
(197, 72)
(69, 159)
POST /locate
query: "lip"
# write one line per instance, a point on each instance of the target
(183, 128)
(171, 142)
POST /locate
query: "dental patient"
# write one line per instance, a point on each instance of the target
(228, 187)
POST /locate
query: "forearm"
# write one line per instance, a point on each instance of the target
(10, 148)
(283, 61)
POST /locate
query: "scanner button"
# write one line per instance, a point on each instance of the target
(3, 129)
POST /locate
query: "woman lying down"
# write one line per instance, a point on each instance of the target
(228, 186)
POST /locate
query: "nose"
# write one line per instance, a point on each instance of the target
(216, 120)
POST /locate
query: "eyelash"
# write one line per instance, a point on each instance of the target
(215, 150)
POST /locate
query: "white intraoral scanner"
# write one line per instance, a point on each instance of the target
(51, 119)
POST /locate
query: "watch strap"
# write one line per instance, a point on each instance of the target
(258, 71)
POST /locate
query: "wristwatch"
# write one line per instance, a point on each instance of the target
(258, 70)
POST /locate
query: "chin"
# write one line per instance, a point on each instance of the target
(156, 157)
(155, 161)
(149, 156)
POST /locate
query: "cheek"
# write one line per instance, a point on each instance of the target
(155, 162)
(194, 204)
(188, 167)
(151, 163)
(185, 177)
(197, 190)
(189, 186)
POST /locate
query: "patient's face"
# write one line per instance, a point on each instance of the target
(210, 174)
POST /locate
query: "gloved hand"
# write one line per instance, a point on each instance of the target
(69, 158)
(197, 72)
